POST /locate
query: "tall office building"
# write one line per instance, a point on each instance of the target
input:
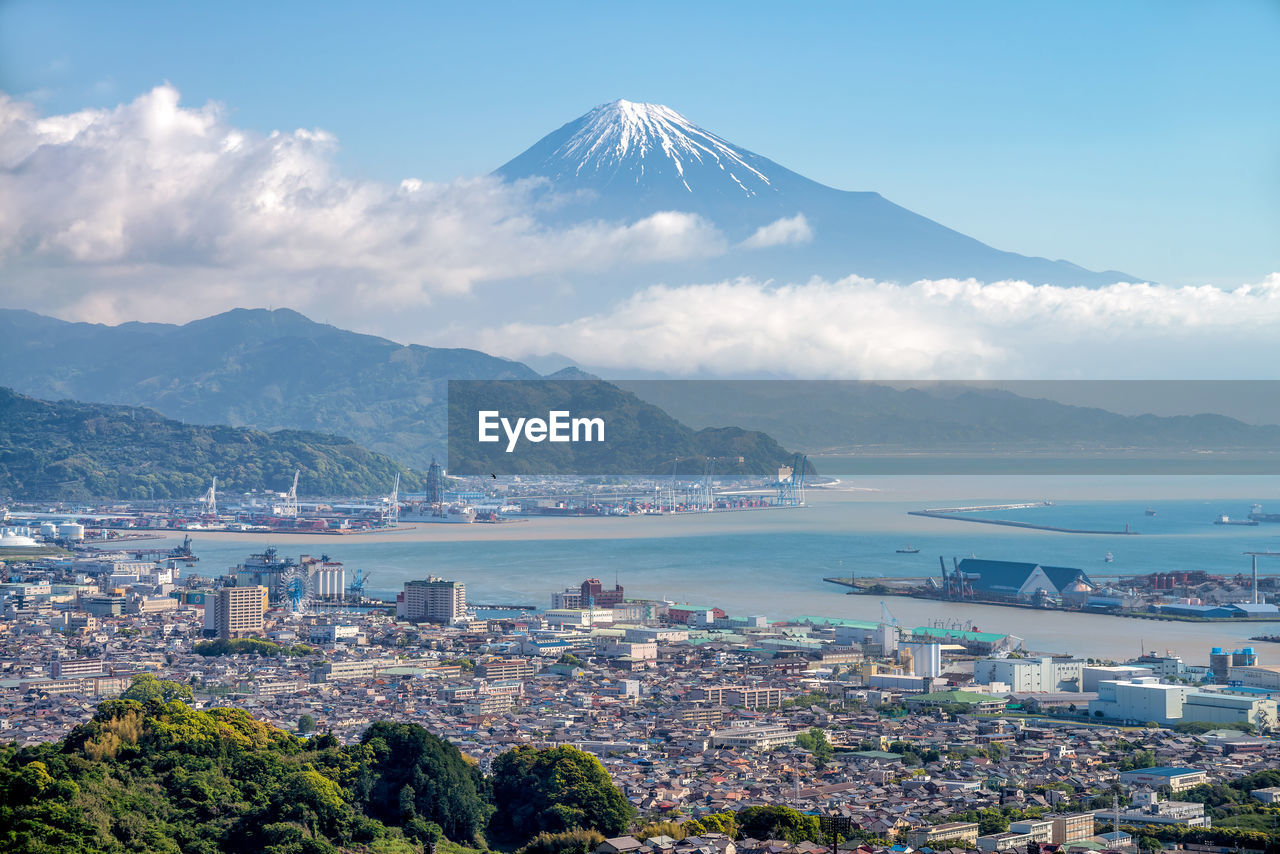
(433, 600)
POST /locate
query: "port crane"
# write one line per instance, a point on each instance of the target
(670, 497)
(392, 516)
(356, 588)
(705, 497)
(791, 485)
(289, 509)
(698, 494)
(209, 501)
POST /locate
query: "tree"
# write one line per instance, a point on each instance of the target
(660, 828)
(554, 790)
(306, 724)
(815, 741)
(1139, 759)
(145, 687)
(778, 822)
(721, 822)
(693, 827)
(576, 841)
(443, 787)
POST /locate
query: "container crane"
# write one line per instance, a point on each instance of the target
(289, 509)
(209, 501)
(392, 517)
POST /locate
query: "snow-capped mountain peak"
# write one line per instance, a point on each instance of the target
(647, 144)
(611, 133)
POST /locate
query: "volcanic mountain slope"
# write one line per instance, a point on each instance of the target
(624, 161)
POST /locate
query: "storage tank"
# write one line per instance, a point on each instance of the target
(49, 530)
(71, 531)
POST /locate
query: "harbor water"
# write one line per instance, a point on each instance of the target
(773, 562)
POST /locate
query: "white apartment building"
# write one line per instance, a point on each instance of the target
(433, 600)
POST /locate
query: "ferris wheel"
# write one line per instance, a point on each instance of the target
(297, 591)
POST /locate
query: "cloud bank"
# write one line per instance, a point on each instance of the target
(947, 329)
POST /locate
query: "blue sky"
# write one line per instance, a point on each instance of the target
(1140, 136)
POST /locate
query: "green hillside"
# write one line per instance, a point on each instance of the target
(71, 450)
(269, 370)
(158, 776)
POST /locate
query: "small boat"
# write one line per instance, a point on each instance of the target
(1108, 557)
(908, 549)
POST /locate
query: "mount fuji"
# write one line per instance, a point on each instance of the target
(624, 161)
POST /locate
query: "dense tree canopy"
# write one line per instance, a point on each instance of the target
(410, 773)
(778, 822)
(554, 790)
(145, 688)
(163, 777)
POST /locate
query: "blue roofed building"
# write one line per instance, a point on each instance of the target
(1252, 609)
(1017, 581)
(1204, 612)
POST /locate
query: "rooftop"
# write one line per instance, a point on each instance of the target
(1165, 771)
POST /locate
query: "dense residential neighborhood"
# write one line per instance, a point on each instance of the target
(907, 736)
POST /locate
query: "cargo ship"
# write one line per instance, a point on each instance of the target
(1257, 515)
(1224, 519)
(438, 513)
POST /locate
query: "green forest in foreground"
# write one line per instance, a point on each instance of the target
(159, 776)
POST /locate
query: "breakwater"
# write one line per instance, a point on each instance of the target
(1009, 523)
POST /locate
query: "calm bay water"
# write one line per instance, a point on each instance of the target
(773, 562)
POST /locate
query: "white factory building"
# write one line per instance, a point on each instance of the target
(1030, 675)
(1146, 699)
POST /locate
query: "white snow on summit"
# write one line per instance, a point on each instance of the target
(624, 130)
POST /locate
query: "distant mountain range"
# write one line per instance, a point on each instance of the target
(821, 416)
(71, 450)
(277, 370)
(269, 370)
(272, 370)
(625, 161)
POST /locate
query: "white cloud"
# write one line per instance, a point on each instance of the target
(858, 328)
(780, 232)
(152, 210)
